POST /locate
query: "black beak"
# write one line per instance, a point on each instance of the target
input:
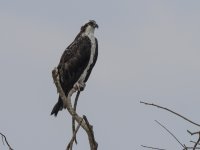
(96, 26)
(93, 23)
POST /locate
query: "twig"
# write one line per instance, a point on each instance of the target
(187, 148)
(152, 147)
(192, 133)
(170, 133)
(4, 137)
(73, 120)
(195, 145)
(197, 142)
(151, 104)
(194, 142)
(71, 110)
(69, 146)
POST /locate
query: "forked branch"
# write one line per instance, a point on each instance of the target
(198, 140)
(78, 119)
(69, 146)
(181, 116)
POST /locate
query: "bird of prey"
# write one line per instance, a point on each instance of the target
(77, 62)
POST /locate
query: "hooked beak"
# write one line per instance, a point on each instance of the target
(96, 26)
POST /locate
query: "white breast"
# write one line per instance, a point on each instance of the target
(93, 47)
(90, 33)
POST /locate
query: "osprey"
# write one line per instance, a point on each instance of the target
(77, 62)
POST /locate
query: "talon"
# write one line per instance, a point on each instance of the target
(76, 86)
(82, 87)
(79, 86)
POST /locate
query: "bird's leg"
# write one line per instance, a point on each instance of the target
(82, 86)
(65, 103)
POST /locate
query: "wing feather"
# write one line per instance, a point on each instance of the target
(73, 62)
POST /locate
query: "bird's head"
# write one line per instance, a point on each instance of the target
(89, 26)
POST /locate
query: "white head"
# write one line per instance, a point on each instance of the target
(89, 27)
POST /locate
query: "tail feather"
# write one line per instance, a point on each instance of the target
(58, 106)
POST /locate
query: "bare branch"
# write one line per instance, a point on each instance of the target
(170, 133)
(93, 143)
(197, 142)
(152, 147)
(151, 104)
(194, 142)
(193, 133)
(187, 148)
(73, 120)
(90, 127)
(195, 145)
(69, 146)
(4, 139)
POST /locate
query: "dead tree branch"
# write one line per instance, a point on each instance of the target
(73, 120)
(194, 142)
(198, 140)
(195, 145)
(151, 104)
(78, 119)
(152, 147)
(70, 145)
(170, 133)
(5, 139)
(181, 116)
(90, 127)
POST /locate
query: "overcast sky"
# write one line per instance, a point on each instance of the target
(149, 50)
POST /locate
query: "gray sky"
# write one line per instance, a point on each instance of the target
(148, 51)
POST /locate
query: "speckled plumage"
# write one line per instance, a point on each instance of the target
(77, 62)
